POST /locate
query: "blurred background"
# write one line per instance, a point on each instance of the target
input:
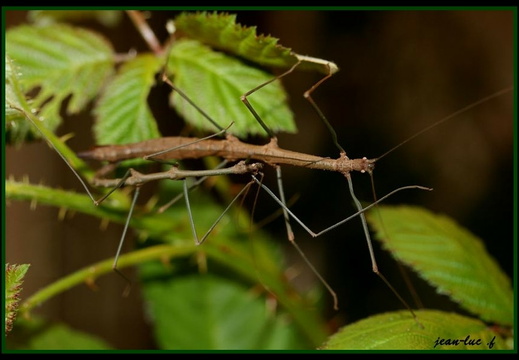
(400, 71)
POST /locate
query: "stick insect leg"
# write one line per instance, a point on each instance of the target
(308, 96)
(291, 238)
(190, 187)
(290, 233)
(243, 98)
(126, 225)
(359, 212)
(370, 247)
(199, 241)
(121, 242)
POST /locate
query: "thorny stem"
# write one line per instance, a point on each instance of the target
(235, 258)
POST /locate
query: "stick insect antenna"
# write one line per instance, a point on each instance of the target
(454, 114)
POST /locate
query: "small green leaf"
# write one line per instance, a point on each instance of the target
(436, 330)
(207, 312)
(14, 275)
(60, 61)
(122, 113)
(215, 82)
(449, 257)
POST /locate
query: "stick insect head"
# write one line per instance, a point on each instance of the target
(363, 165)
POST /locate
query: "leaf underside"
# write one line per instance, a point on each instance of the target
(399, 331)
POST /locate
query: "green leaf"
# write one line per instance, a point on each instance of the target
(215, 82)
(122, 113)
(21, 120)
(207, 312)
(436, 330)
(17, 128)
(36, 334)
(60, 61)
(108, 18)
(257, 260)
(220, 31)
(14, 275)
(449, 257)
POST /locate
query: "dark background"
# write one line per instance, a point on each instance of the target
(400, 72)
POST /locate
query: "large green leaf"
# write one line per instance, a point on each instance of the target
(122, 113)
(60, 61)
(449, 257)
(205, 312)
(435, 330)
(215, 82)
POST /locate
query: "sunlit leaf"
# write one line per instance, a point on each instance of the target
(60, 62)
(449, 257)
(122, 113)
(215, 82)
(435, 330)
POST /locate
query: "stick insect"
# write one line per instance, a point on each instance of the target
(300, 236)
(232, 149)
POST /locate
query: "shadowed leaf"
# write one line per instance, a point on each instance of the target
(449, 257)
